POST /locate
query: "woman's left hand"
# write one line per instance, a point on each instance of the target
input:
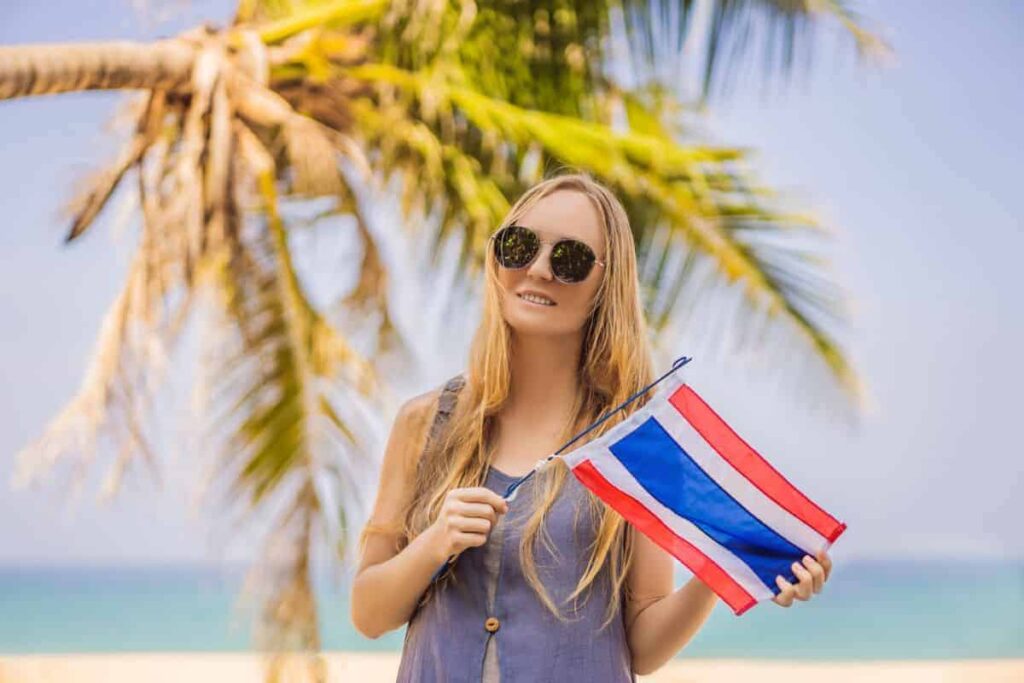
(812, 573)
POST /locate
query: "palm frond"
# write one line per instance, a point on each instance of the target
(673, 179)
(276, 411)
(555, 58)
(718, 38)
(197, 159)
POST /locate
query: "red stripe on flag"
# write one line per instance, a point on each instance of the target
(750, 464)
(647, 522)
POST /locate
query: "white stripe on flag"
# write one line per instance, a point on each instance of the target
(778, 518)
(619, 431)
(613, 470)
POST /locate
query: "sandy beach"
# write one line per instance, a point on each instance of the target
(345, 666)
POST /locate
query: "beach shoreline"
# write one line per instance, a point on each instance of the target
(367, 666)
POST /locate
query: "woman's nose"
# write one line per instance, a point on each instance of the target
(541, 266)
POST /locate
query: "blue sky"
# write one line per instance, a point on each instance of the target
(916, 166)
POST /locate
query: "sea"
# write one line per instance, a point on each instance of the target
(869, 610)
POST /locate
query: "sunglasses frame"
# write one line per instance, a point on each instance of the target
(554, 244)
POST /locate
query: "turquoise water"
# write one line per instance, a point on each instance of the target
(869, 610)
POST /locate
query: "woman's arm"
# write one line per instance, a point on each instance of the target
(388, 584)
(660, 621)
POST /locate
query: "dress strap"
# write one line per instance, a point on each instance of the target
(445, 407)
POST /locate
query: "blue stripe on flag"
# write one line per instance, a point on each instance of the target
(671, 476)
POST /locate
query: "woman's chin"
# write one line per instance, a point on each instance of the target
(530, 325)
(534, 319)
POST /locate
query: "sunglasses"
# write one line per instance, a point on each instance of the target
(516, 246)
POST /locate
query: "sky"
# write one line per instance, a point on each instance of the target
(914, 165)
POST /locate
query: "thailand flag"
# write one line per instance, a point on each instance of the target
(680, 475)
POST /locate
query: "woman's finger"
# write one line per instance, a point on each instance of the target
(481, 494)
(817, 572)
(478, 510)
(470, 540)
(785, 597)
(806, 584)
(826, 562)
(476, 525)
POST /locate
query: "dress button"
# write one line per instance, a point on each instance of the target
(492, 624)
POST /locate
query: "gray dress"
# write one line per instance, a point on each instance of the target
(489, 626)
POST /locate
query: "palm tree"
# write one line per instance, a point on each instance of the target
(465, 104)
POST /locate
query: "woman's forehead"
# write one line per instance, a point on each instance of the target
(564, 214)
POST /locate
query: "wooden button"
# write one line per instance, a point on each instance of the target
(492, 624)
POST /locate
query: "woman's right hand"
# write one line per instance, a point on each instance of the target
(466, 518)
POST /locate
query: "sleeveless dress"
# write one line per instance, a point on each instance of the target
(488, 626)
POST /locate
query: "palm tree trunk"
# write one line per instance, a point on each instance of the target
(42, 69)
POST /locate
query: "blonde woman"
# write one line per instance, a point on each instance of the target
(554, 586)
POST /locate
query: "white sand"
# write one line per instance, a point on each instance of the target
(360, 667)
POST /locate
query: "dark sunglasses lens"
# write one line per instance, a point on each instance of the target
(515, 246)
(571, 261)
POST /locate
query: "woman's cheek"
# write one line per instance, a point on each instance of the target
(576, 314)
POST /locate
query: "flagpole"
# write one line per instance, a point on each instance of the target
(510, 492)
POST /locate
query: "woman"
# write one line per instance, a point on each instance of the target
(555, 586)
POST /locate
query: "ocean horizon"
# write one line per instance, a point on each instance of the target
(870, 610)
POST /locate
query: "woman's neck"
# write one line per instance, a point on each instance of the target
(544, 377)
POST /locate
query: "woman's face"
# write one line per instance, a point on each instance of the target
(561, 214)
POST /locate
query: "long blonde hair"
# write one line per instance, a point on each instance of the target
(614, 364)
